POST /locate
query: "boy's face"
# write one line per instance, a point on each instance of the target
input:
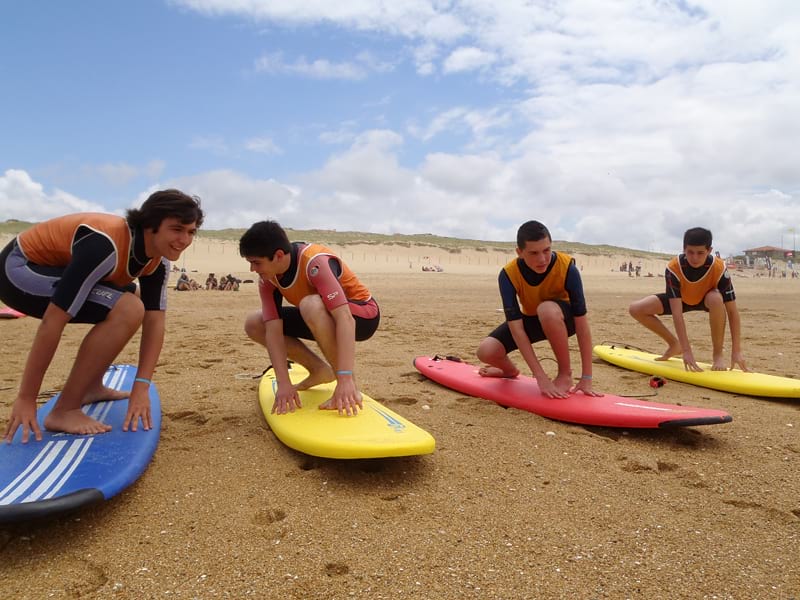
(537, 255)
(171, 239)
(696, 255)
(268, 268)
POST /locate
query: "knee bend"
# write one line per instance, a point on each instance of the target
(489, 350)
(713, 299)
(130, 308)
(549, 312)
(254, 327)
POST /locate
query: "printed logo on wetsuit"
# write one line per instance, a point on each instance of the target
(314, 270)
(332, 295)
(104, 293)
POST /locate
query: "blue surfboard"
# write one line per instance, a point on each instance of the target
(64, 472)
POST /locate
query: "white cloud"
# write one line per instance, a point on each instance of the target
(467, 59)
(23, 199)
(262, 145)
(320, 68)
(613, 122)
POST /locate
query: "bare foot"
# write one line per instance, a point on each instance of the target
(496, 372)
(673, 350)
(74, 421)
(104, 393)
(719, 364)
(563, 383)
(323, 374)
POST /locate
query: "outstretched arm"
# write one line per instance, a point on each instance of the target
(689, 363)
(45, 343)
(525, 347)
(287, 398)
(346, 397)
(584, 335)
(153, 327)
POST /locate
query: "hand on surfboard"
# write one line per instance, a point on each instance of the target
(585, 386)
(551, 389)
(138, 408)
(287, 399)
(689, 363)
(346, 398)
(737, 358)
(24, 414)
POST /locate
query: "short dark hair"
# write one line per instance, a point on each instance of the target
(264, 239)
(697, 236)
(166, 204)
(531, 231)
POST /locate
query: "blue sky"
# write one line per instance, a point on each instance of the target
(613, 122)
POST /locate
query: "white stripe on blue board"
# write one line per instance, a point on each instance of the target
(72, 468)
(55, 473)
(33, 472)
(75, 452)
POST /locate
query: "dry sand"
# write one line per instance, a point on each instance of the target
(510, 505)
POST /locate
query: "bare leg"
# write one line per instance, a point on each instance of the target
(717, 319)
(85, 382)
(493, 353)
(645, 311)
(323, 327)
(552, 319)
(319, 371)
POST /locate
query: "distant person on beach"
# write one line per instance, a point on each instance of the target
(185, 284)
(80, 268)
(695, 280)
(542, 295)
(329, 306)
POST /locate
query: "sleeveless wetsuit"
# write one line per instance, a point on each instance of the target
(314, 269)
(560, 283)
(82, 263)
(691, 284)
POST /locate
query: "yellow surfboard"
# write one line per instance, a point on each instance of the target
(375, 432)
(735, 381)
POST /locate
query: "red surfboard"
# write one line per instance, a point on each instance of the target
(523, 393)
(6, 312)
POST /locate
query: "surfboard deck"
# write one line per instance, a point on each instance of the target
(6, 312)
(375, 432)
(605, 411)
(65, 472)
(734, 381)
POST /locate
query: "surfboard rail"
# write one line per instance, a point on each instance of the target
(522, 392)
(65, 472)
(733, 381)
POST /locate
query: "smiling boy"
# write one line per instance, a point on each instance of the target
(548, 287)
(80, 268)
(695, 280)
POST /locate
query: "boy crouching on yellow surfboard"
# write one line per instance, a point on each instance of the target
(695, 280)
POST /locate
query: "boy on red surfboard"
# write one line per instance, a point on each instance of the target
(696, 280)
(542, 296)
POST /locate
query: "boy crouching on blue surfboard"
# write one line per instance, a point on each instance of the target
(330, 306)
(695, 280)
(80, 268)
(548, 286)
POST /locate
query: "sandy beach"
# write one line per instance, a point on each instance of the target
(510, 505)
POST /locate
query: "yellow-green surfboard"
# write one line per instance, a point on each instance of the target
(375, 432)
(735, 380)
